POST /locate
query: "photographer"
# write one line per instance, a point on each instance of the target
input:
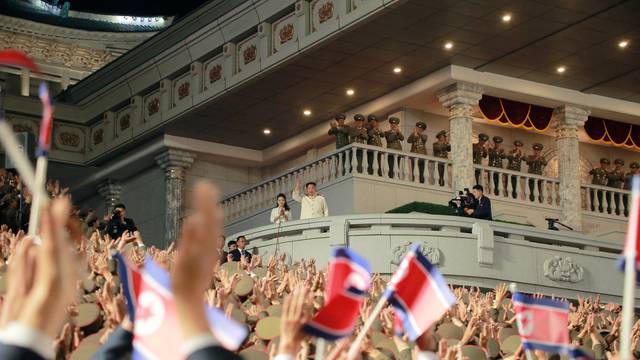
(119, 223)
(482, 209)
(462, 202)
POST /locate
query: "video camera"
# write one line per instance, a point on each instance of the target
(464, 200)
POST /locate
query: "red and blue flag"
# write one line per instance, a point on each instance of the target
(347, 285)
(542, 323)
(156, 333)
(44, 140)
(418, 293)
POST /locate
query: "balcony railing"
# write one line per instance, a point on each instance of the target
(403, 168)
(515, 186)
(354, 160)
(605, 201)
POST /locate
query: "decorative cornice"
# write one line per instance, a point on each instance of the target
(568, 116)
(460, 93)
(173, 158)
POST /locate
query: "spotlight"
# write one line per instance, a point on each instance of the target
(350, 92)
(266, 131)
(448, 45)
(306, 112)
(397, 69)
(561, 69)
(506, 18)
(623, 44)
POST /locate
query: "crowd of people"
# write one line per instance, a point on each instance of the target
(45, 314)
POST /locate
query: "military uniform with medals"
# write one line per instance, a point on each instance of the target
(441, 149)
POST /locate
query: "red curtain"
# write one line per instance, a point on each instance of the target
(515, 113)
(613, 132)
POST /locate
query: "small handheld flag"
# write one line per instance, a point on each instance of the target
(630, 264)
(44, 139)
(150, 305)
(542, 323)
(17, 58)
(417, 285)
(347, 285)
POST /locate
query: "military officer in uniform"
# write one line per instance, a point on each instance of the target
(375, 139)
(370, 120)
(514, 163)
(394, 139)
(496, 155)
(441, 149)
(418, 141)
(360, 135)
(615, 179)
(480, 152)
(599, 176)
(536, 163)
(340, 131)
(633, 170)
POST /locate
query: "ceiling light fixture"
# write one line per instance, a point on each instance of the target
(266, 131)
(306, 112)
(623, 44)
(448, 45)
(561, 69)
(397, 69)
(350, 92)
(506, 18)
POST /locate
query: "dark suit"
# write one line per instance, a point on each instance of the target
(482, 209)
(11, 352)
(236, 255)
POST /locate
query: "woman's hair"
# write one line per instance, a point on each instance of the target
(286, 206)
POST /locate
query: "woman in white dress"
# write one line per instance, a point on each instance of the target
(281, 213)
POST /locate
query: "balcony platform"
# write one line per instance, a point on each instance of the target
(467, 251)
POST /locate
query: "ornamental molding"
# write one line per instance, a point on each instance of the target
(56, 52)
(569, 117)
(56, 32)
(460, 93)
(563, 269)
(430, 252)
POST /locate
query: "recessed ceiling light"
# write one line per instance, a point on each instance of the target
(350, 92)
(506, 18)
(397, 69)
(448, 45)
(306, 112)
(266, 131)
(561, 69)
(623, 44)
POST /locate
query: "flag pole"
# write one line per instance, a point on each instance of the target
(528, 353)
(353, 350)
(321, 346)
(44, 141)
(628, 299)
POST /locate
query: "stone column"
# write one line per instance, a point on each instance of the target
(567, 120)
(461, 98)
(174, 163)
(110, 192)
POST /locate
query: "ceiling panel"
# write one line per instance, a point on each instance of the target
(542, 35)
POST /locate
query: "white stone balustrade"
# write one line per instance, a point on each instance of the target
(519, 186)
(605, 201)
(355, 160)
(467, 251)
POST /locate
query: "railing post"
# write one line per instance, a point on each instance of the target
(567, 120)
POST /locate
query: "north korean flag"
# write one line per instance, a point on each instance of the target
(156, 333)
(419, 293)
(542, 323)
(44, 140)
(347, 285)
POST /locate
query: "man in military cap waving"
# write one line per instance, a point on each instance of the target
(418, 141)
(600, 177)
(394, 139)
(479, 153)
(514, 163)
(496, 155)
(340, 131)
(441, 149)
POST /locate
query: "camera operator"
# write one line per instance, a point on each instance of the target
(119, 223)
(482, 209)
(462, 202)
